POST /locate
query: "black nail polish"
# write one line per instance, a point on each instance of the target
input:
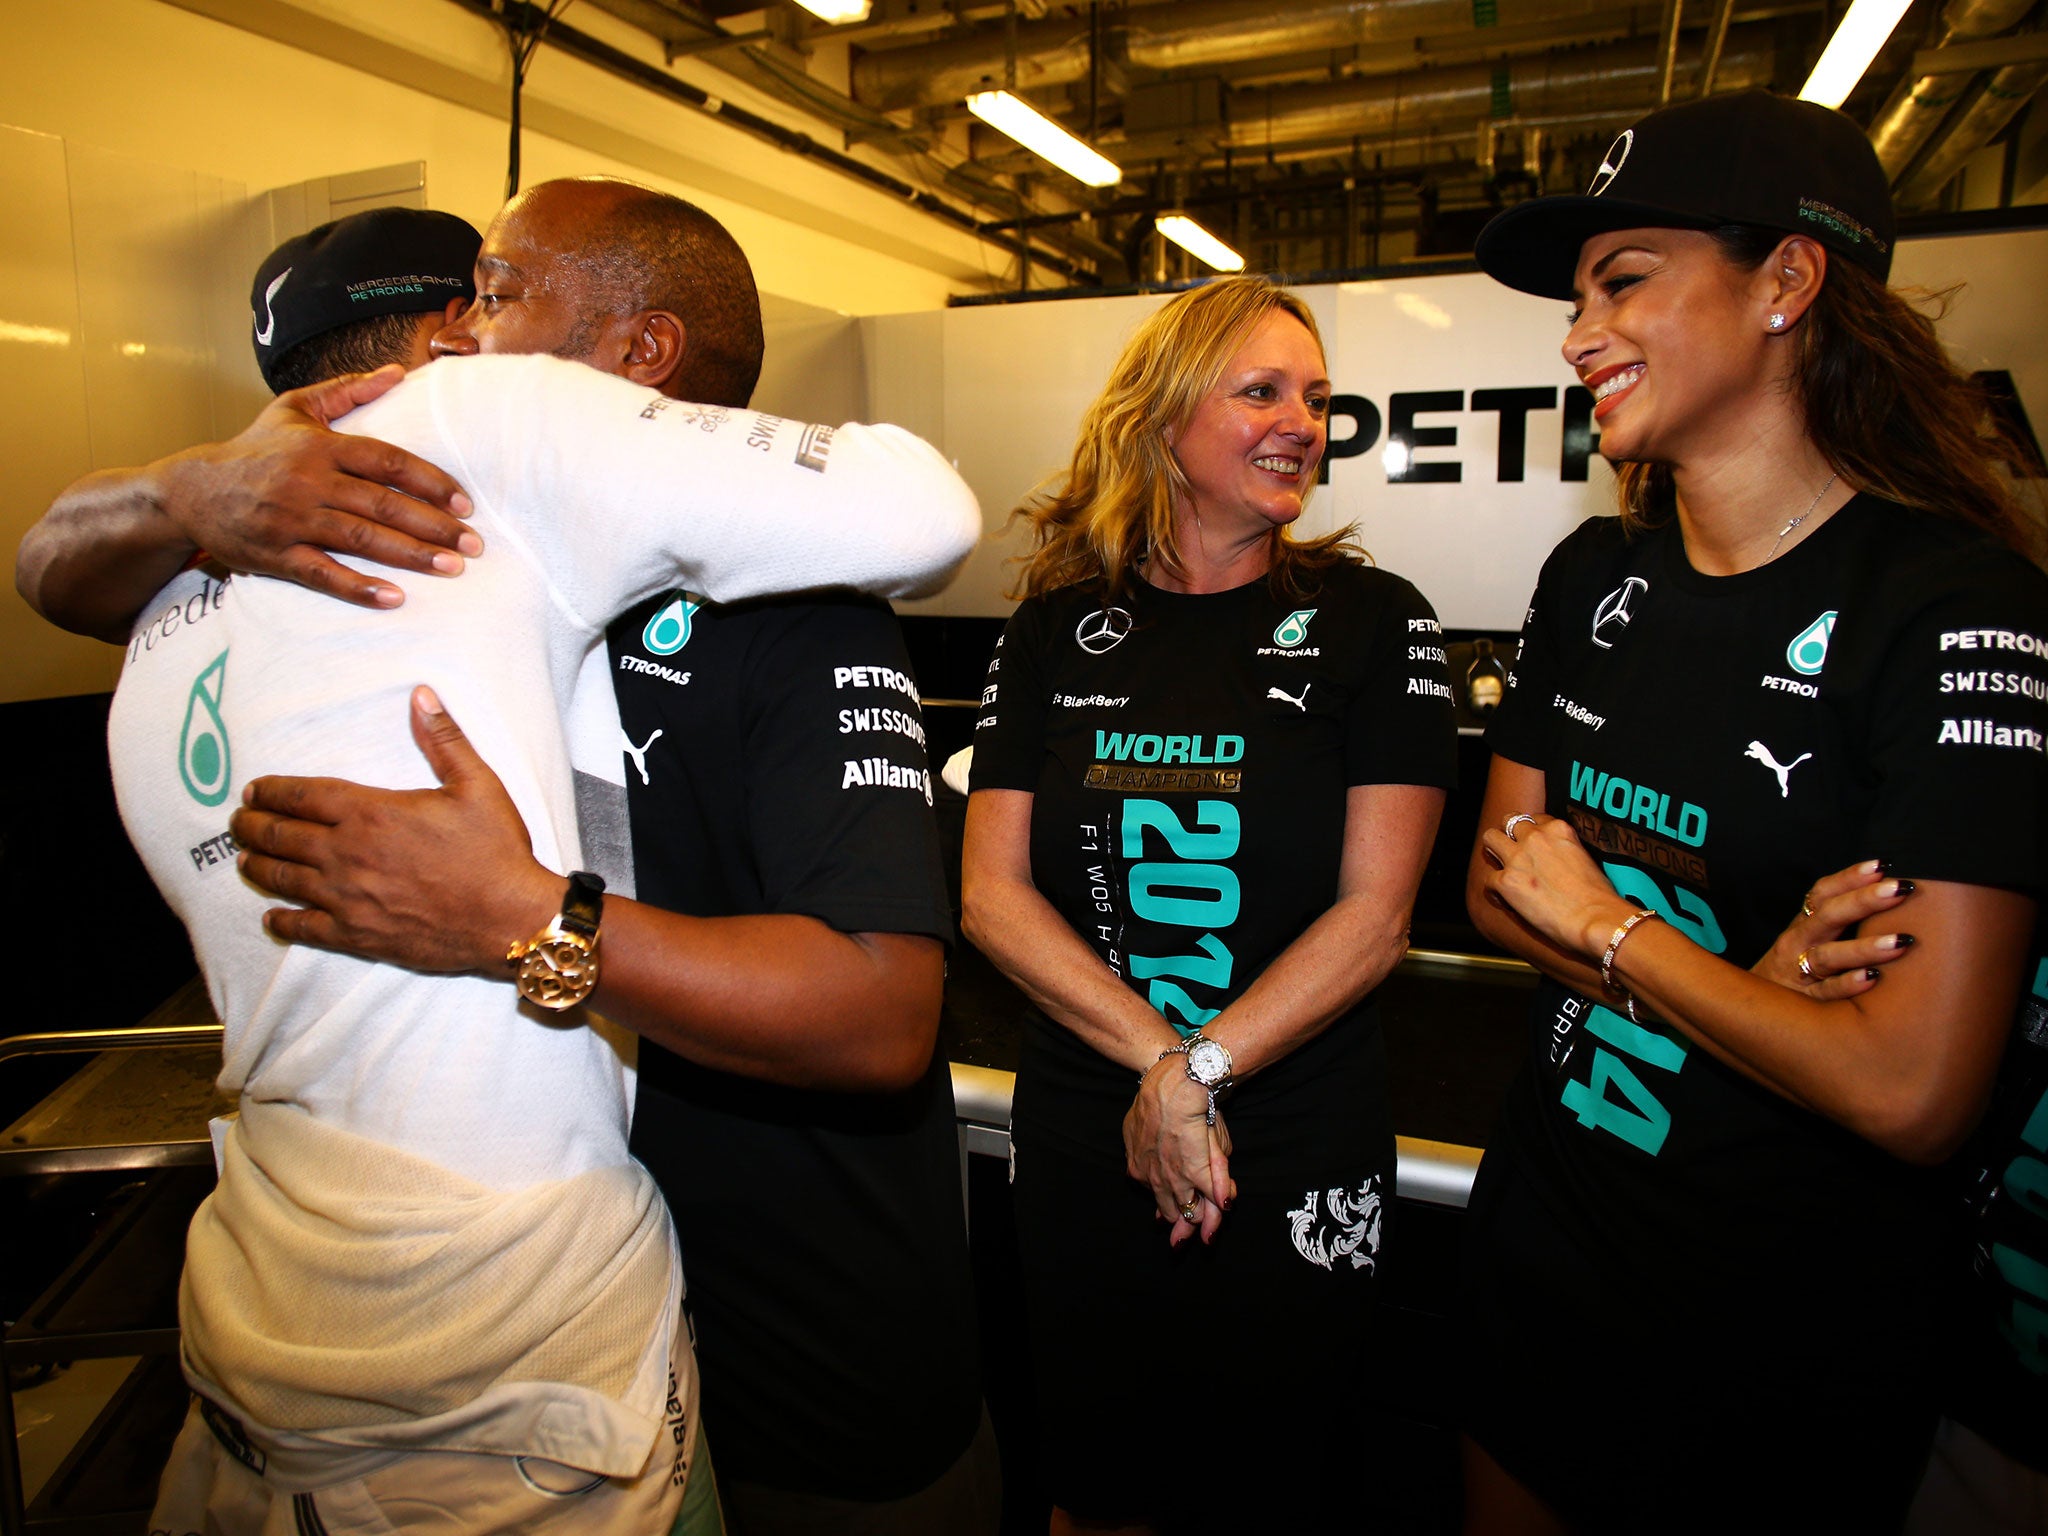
(1907, 887)
(1903, 941)
(1884, 866)
(1873, 974)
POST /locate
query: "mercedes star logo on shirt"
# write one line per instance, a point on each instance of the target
(1613, 611)
(1100, 631)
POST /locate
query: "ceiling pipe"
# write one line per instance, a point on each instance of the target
(1920, 104)
(1974, 126)
(1667, 48)
(1717, 42)
(1457, 99)
(1187, 35)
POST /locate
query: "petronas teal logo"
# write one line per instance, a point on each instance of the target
(203, 742)
(669, 630)
(1808, 652)
(1293, 629)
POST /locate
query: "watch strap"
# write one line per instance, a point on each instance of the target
(583, 904)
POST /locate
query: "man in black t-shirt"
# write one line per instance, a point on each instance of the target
(777, 765)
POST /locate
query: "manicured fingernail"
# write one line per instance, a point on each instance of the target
(386, 597)
(447, 564)
(1873, 974)
(462, 506)
(1880, 866)
(1902, 888)
(429, 702)
(470, 545)
(1902, 941)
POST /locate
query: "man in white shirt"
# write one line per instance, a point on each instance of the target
(431, 1273)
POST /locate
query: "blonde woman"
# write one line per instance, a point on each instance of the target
(1206, 780)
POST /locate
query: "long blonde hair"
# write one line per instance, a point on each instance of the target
(1112, 509)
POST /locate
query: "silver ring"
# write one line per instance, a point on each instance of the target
(1515, 821)
(1806, 966)
(1190, 1211)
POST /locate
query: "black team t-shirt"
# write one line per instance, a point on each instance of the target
(778, 766)
(1189, 757)
(1720, 743)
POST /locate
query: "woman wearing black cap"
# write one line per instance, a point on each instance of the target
(1708, 1245)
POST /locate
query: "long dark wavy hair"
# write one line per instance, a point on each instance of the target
(1883, 403)
(1112, 509)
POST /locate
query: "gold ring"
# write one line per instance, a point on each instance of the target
(1806, 905)
(1806, 966)
(1515, 821)
(1190, 1210)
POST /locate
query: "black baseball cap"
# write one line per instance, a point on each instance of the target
(388, 261)
(1749, 157)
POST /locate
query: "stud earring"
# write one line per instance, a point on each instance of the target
(1777, 322)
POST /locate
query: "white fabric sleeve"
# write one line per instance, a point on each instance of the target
(620, 492)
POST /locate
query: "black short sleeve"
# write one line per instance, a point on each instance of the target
(1401, 727)
(1009, 734)
(1520, 730)
(1960, 727)
(839, 793)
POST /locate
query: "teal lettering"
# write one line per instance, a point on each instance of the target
(1163, 995)
(1216, 909)
(1645, 807)
(1692, 825)
(1683, 910)
(1197, 755)
(1626, 1035)
(1114, 745)
(1229, 748)
(2041, 979)
(1620, 795)
(1584, 789)
(1663, 811)
(1176, 750)
(2027, 1179)
(1148, 749)
(2036, 1133)
(1211, 968)
(1643, 1123)
(1220, 816)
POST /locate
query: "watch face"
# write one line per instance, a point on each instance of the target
(1208, 1063)
(558, 973)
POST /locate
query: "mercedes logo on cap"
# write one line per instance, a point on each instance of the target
(1102, 630)
(1617, 157)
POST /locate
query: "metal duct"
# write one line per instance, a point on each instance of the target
(1190, 34)
(1918, 106)
(1459, 99)
(2001, 98)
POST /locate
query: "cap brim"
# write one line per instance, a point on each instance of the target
(1534, 246)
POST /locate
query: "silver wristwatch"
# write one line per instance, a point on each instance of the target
(1209, 1066)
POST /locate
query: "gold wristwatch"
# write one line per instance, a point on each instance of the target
(558, 965)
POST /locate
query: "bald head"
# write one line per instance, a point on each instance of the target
(625, 278)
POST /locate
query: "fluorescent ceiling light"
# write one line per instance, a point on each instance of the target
(1849, 52)
(1190, 236)
(838, 10)
(1043, 137)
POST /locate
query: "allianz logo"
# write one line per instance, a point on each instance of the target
(1128, 747)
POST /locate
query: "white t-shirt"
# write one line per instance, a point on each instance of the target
(590, 494)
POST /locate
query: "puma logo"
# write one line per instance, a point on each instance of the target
(639, 753)
(1762, 754)
(268, 328)
(1275, 693)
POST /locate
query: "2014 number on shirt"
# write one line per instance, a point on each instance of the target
(1193, 889)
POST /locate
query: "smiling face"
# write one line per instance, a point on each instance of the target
(1671, 338)
(530, 297)
(1251, 446)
